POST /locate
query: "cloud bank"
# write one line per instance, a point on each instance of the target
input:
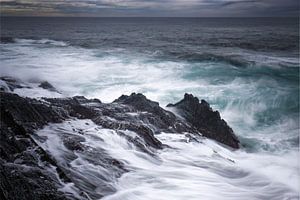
(150, 8)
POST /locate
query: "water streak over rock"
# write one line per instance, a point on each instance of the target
(33, 172)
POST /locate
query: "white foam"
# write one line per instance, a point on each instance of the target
(201, 171)
(187, 170)
(41, 41)
(79, 71)
(37, 92)
(195, 168)
(4, 86)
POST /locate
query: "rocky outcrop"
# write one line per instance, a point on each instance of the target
(47, 86)
(24, 167)
(10, 84)
(28, 171)
(205, 120)
(151, 113)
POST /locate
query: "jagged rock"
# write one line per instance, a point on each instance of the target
(20, 147)
(10, 84)
(20, 118)
(140, 102)
(207, 121)
(22, 183)
(47, 86)
(28, 113)
(4, 87)
(24, 173)
(78, 107)
(143, 131)
(155, 115)
(73, 143)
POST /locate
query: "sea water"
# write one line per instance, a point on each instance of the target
(248, 69)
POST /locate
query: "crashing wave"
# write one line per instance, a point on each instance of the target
(6, 40)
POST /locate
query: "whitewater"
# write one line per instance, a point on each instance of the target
(256, 92)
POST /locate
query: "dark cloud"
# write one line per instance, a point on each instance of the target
(229, 3)
(155, 8)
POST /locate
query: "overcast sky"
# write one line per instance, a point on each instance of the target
(150, 8)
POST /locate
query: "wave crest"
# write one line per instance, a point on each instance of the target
(28, 41)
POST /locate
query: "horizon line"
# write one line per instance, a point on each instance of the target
(147, 16)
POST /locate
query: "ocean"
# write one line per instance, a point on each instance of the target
(247, 68)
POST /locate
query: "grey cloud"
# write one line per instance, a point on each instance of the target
(185, 8)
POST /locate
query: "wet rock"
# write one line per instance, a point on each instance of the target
(28, 113)
(4, 87)
(78, 107)
(207, 121)
(47, 86)
(141, 103)
(22, 183)
(24, 167)
(22, 117)
(143, 131)
(160, 119)
(10, 84)
(74, 143)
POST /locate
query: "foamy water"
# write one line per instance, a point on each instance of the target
(186, 170)
(260, 103)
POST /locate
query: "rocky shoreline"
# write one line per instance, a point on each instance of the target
(28, 171)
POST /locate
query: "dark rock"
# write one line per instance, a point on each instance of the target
(207, 121)
(24, 169)
(12, 84)
(24, 166)
(78, 107)
(28, 113)
(88, 102)
(159, 118)
(47, 86)
(20, 118)
(15, 184)
(143, 131)
(73, 143)
(139, 101)
(146, 133)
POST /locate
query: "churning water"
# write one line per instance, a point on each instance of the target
(248, 69)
